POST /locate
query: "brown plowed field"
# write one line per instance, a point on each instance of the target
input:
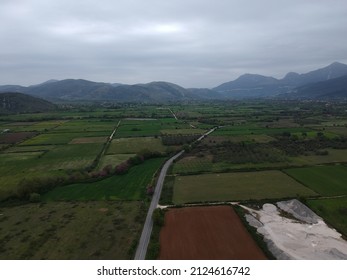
(206, 233)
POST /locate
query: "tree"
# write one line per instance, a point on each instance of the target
(122, 168)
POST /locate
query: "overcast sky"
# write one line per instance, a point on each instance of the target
(194, 43)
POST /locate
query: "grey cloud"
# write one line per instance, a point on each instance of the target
(195, 43)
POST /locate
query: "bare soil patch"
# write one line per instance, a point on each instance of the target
(14, 137)
(206, 233)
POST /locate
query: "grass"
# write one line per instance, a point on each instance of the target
(194, 164)
(70, 230)
(71, 156)
(131, 186)
(250, 130)
(183, 131)
(325, 180)
(135, 145)
(113, 160)
(333, 211)
(333, 156)
(237, 186)
(61, 138)
(87, 126)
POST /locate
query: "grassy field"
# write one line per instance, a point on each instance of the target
(333, 156)
(113, 160)
(237, 186)
(70, 230)
(131, 186)
(247, 130)
(194, 164)
(135, 145)
(325, 180)
(183, 131)
(334, 211)
(61, 138)
(71, 156)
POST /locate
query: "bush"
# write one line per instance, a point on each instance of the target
(35, 197)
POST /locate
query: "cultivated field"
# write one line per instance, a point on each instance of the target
(206, 233)
(70, 230)
(325, 180)
(130, 186)
(237, 186)
(333, 211)
(135, 145)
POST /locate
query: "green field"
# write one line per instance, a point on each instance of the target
(71, 156)
(333, 156)
(325, 180)
(70, 230)
(131, 186)
(248, 130)
(87, 126)
(185, 131)
(333, 211)
(113, 160)
(237, 186)
(61, 138)
(135, 145)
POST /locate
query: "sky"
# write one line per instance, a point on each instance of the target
(193, 43)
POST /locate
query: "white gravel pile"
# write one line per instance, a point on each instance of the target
(310, 238)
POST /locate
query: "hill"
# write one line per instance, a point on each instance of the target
(326, 90)
(246, 86)
(14, 102)
(154, 92)
(257, 86)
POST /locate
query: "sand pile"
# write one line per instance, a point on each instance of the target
(304, 236)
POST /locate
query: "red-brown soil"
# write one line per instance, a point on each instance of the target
(14, 137)
(206, 233)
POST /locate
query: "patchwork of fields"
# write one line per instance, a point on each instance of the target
(82, 195)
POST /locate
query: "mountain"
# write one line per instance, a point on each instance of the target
(83, 90)
(255, 86)
(331, 71)
(246, 86)
(14, 102)
(326, 90)
(250, 85)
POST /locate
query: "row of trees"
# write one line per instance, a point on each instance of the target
(29, 188)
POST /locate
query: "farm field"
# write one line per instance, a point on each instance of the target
(113, 160)
(59, 167)
(325, 180)
(130, 186)
(206, 233)
(70, 230)
(237, 186)
(333, 156)
(333, 211)
(135, 145)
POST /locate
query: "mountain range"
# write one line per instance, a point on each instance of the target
(325, 83)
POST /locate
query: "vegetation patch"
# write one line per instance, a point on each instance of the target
(325, 180)
(237, 186)
(88, 140)
(135, 145)
(130, 186)
(333, 211)
(70, 230)
(113, 160)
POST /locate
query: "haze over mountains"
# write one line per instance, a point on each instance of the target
(326, 83)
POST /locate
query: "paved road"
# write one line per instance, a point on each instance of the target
(147, 228)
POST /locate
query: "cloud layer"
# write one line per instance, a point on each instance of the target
(195, 43)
